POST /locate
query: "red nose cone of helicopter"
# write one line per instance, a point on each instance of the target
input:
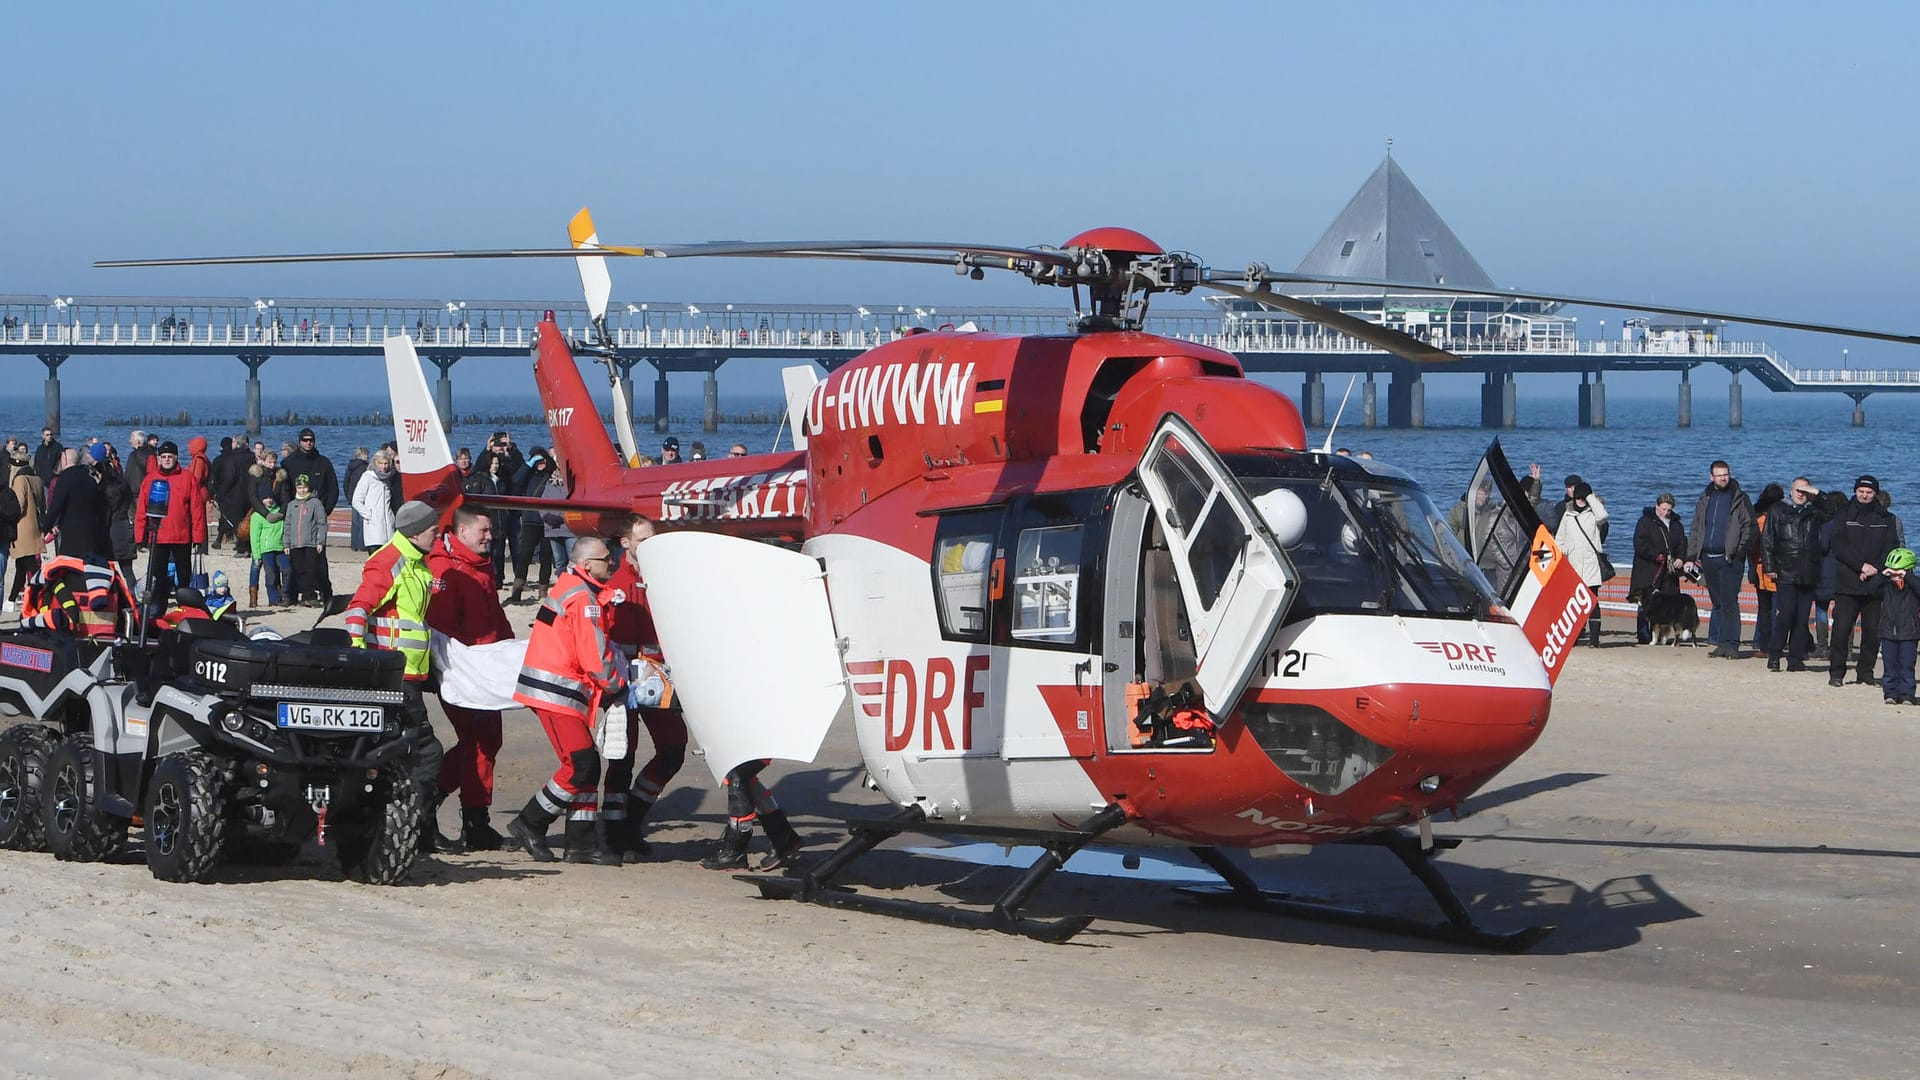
(1114, 238)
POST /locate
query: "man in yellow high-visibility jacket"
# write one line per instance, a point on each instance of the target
(389, 611)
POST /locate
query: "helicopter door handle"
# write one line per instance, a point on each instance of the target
(1080, 671)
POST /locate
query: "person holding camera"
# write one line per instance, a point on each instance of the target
(1659, 548)
(506, 526)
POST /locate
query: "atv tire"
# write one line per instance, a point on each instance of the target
(379, 847)
(76, 829)
(186, 817)
(23, 761)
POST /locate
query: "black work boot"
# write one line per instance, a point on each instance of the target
(432, 840)
(732, 852)
(528, 831)
(584, 845)
(786, 842)
(477, 833)
(519, 586)
(629, 839)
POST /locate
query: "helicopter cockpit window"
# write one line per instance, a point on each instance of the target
(961, 564)
(1046, 584)
(1377, 545)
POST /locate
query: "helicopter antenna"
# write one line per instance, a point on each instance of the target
(1327, 447)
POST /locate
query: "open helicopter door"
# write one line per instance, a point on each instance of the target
(1518, 555)
(756, 660)
(1235, 581)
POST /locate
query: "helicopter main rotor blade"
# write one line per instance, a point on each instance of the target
(1279, 278)
(930, 253)
(1404, 346)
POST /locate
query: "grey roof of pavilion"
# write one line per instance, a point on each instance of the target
(1395, 234)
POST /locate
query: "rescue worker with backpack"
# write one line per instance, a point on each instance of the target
(389, 611)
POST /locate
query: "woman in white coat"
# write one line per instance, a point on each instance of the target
(1580, 537)
(370, 500)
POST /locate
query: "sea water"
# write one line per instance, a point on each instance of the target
(1640, 453)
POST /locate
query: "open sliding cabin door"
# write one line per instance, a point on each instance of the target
(1234, 581)
(1541, 590)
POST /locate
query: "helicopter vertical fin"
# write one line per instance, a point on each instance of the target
(1539, 587)
(425, 461)
(579, 438)
(798, 382)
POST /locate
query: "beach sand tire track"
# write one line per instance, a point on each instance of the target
(76, 829)
(23, 763)
(186, 818)
(380, 848)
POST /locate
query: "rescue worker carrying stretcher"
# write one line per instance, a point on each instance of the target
(570, 673)
(629, 623)
(466, 607)
(389, 611)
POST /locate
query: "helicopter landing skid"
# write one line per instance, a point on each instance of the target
(1459, 927)
(816, 886)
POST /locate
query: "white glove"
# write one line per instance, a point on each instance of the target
(611, 735)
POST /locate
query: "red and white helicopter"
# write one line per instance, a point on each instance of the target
(1071, 588)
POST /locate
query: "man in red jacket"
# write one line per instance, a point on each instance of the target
(629, 624)
(180, 528)
(465, 606)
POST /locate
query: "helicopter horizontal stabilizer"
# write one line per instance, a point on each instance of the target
(756, 660)
(798, 383)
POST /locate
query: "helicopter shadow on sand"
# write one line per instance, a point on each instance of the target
(1608, 916)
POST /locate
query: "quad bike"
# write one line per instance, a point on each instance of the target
(217, 744)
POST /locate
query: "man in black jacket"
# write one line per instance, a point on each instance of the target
(1717, 544)
(78, 511)
(223, 483)
(1863, 533)
(312, 464)
(46, 457)
(1790, 553)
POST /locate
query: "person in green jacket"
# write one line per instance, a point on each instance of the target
(268, 534)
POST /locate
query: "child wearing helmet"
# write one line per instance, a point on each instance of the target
(1899, 627)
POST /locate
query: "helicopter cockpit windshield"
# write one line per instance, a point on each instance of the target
(1373, 542)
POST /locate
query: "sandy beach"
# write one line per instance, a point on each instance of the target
(1725, 853)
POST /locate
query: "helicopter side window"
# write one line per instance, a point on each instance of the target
(963, 573)
(962, 567)
(1046, 584)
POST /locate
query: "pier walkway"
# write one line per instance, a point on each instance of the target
(676, 337)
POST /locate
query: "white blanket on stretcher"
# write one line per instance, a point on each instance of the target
(478, 676)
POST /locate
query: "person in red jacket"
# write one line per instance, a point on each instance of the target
(569, 676)
(465, 606)
(180, 531)
(630, 626)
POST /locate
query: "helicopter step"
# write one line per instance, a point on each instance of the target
(816, 886)
(1458, 928)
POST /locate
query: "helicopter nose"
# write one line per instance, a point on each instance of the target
(1452, 721)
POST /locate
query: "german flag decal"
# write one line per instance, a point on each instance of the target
(990, 396)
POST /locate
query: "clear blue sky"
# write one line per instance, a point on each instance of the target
(1750, 156)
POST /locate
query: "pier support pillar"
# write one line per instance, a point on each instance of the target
(710, 401)
(1369, 404)
(1686, 399)
(1593, 400)
(1313, 400)
(1407, 401)
(443, 390)
(1499, 404)
(53, 362)
(254, 362)
(660, 402)
(1859, 409)
(1734, 417)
